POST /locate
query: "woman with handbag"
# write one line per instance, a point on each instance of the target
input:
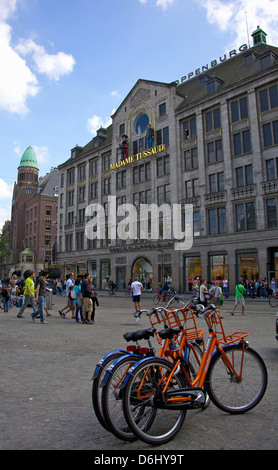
(204, 293)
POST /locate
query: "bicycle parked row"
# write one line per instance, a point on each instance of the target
(141, 393)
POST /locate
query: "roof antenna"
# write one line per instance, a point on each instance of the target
(247, 30)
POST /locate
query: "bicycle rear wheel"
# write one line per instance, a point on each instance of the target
(273, 301)
(97, 378)
(152, 424)
(229, 394)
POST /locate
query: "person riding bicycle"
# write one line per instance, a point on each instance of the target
(163, 291)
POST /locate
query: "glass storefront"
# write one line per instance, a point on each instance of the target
(105, 273)
(193, 271)
(247, 265)
(144, 270)
(218, 267)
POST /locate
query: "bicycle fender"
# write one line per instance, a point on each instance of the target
(114, 364)
(99, 365)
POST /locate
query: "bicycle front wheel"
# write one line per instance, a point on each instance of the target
(232, 395)
(152, 424)
(156, 299)
(273, 301)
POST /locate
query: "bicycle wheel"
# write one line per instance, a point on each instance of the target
(273, 301)
(112, 408)
(156, 299)
(97, 378)
(225, 391)
(152, 424)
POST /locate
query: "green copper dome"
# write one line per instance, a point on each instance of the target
(29, 158)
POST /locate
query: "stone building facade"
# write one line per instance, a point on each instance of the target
(214, 151)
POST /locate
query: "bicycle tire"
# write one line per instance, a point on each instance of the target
(156, 299)
(151, 424)
(97, 378)
(111, 398)
(225, 392)
(273, 301)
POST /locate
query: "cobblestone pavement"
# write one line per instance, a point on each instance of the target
(46, 372)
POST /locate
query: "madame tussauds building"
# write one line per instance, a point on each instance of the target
(184, 183)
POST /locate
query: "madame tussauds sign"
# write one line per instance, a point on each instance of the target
(138, 156)
(212, 64)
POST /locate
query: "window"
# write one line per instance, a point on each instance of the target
(121, 179)
(162, 136)
(82, 194)
(217, 221)
(71, 198)
(191, 188)
(190, 159)
(122, 129)
(214, 151)
(189, 129)
(70, 218)
(142, 173)
(80, 240)
(213, 120)
(162, 109)
(93, 190)
(93, 167)
(62, 180)
(71, 176)
(141, 123)
(163, 194)
(271, 169)
(106, 186)
(196, 224)
(81, 215)
(245, 216)
(271, 213)
(244, 176)
(216, 182)
(239, 109)
(81, 172)
(69, 246)
(163, 166)
(242, 143)
(106, 162)
(270, 133)
(269, 98)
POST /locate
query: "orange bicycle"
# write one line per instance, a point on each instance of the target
(110, 413)
(157, 393)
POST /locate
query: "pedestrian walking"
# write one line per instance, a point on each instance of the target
(70, 304)
(40, 296)
(239, 297)
(29, 294)
(136, 292)
(204, 293)
(6, 293)
(87, 303)
(77, 295)
(216, 293)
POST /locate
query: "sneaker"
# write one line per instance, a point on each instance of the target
(44, 322)
(32, 316)
(61, 313)
(19, 316)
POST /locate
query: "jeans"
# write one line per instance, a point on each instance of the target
(42, 303)
(77, 310)
(27, 299)
(5, 304)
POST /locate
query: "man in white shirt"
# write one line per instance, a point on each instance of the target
(136, 291)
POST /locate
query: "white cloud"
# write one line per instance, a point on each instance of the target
(231, 16)
(164, 4)
(6, 194)
(53, 65)
(6, 190)
(17, 81)
(96, 122)
(42, 155)
(115, 93)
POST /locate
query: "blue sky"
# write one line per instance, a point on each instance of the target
(66, 65)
